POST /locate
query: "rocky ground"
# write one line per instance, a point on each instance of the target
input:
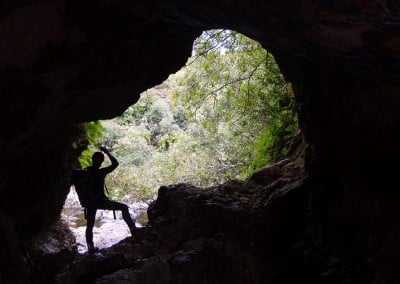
(107, 231)
(239, 232)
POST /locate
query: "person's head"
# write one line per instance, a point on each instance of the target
(97, 159)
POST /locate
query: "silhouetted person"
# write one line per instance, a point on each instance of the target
(98, 200)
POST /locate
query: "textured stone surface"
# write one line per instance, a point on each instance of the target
(67, 61)
(238, 232)
(50, 252)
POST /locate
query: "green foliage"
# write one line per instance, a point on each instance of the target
(228, 112)
(94, 131)
(272, 144)
(135, 112)
(261, 154)
(236, 92)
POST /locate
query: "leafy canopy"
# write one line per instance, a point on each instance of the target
(226, 113)
(234, 88)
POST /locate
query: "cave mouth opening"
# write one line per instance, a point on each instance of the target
(226, 113)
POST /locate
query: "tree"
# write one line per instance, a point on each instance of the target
(234, 88)
(226, 113)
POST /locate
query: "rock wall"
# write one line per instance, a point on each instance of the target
(65, 61)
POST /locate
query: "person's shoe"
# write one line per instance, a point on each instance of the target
(92, 249)
(133, 230)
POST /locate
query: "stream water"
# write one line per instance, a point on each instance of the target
(107, 230)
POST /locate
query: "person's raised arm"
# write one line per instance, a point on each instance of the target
(114, 162)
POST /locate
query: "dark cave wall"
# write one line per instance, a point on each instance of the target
(64, 62)
(352, 168)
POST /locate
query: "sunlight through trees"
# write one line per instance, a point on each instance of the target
(226, 113)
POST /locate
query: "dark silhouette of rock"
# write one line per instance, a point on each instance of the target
(234, 233)
(51, 252)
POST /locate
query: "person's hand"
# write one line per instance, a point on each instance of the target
(103, 149)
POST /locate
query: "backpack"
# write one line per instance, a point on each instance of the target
(81, 180)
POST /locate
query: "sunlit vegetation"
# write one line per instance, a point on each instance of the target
(94, 133)
(226, 113)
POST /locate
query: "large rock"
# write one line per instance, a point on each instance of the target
(238, 232)
(50, 252)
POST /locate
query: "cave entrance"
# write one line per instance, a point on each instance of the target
(228, 112)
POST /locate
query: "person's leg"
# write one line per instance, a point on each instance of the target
(91, 216)
(114, 205)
